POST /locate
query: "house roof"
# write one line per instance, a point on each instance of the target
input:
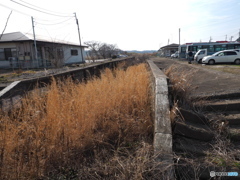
(19, 36)
(170, 46)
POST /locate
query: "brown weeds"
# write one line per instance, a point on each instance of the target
(67, 128)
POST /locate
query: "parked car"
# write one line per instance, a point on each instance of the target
(200, 54)
(175, 55)
(226, 56)
(204, 52)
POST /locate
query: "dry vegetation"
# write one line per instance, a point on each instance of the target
(181, 84)
(233, 69)
(222, 156)
(101, 129)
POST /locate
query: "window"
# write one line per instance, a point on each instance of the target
(26, 53)
(183, 49)
(220, 47)
(8, 53)
(230, 53)
(221, 54)
(60, 54)
(236, 46)
(211, 48)
(230, 46)
(74, 52)
(2, 56)
(192, 48)
(199, 47)
(202, 52)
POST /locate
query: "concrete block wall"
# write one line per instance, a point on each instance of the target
(162, 123)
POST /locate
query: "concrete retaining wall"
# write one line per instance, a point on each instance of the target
(19, 88)
(162, 123)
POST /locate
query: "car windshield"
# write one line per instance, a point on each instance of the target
(198, 51)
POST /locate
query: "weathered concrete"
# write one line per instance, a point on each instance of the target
(221, 105)
(162, 142)
(199, 133)
(190, 146)
(162, 123)
(8, 88)
(216, 96)
(192, 117)
(20, 88)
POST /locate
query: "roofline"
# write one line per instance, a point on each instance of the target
(30, 40)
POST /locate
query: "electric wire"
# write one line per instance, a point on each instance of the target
(14, 10)
(54, 28)
(43, 8)
(40, 10)
(54, 23)
(50, 20)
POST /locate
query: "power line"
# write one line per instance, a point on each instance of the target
(40, 10)
(52, 29)
(54, 23)
(14, 10)
(43, 8)
(50, 20)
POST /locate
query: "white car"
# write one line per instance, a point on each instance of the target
(175, 55)
(226, 56)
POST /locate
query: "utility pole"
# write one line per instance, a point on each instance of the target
(226, 38)
(210, 39)
(231, 38)
(35, 44)
(179, 36)
(79, 36)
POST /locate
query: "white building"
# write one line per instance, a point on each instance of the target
(18, 50)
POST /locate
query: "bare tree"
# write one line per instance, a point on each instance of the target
(5, 25)
(94, 49)
(101, 50)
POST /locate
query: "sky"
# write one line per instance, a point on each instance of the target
(130, 24)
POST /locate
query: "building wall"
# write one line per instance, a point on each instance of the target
(70, 58)
(8, 45)
(25, 55)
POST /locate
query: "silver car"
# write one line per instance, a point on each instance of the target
(226, 56)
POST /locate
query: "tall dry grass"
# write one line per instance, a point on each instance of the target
(57, 133)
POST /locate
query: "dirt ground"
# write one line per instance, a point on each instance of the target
(207, 80)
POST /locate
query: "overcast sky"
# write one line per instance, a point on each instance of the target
(131, 24)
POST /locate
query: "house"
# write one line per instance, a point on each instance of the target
(18, 50)
(168, 50)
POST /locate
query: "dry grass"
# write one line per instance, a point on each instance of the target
(223, 156)
(233, 69)
(181, 85)
(74, 127)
